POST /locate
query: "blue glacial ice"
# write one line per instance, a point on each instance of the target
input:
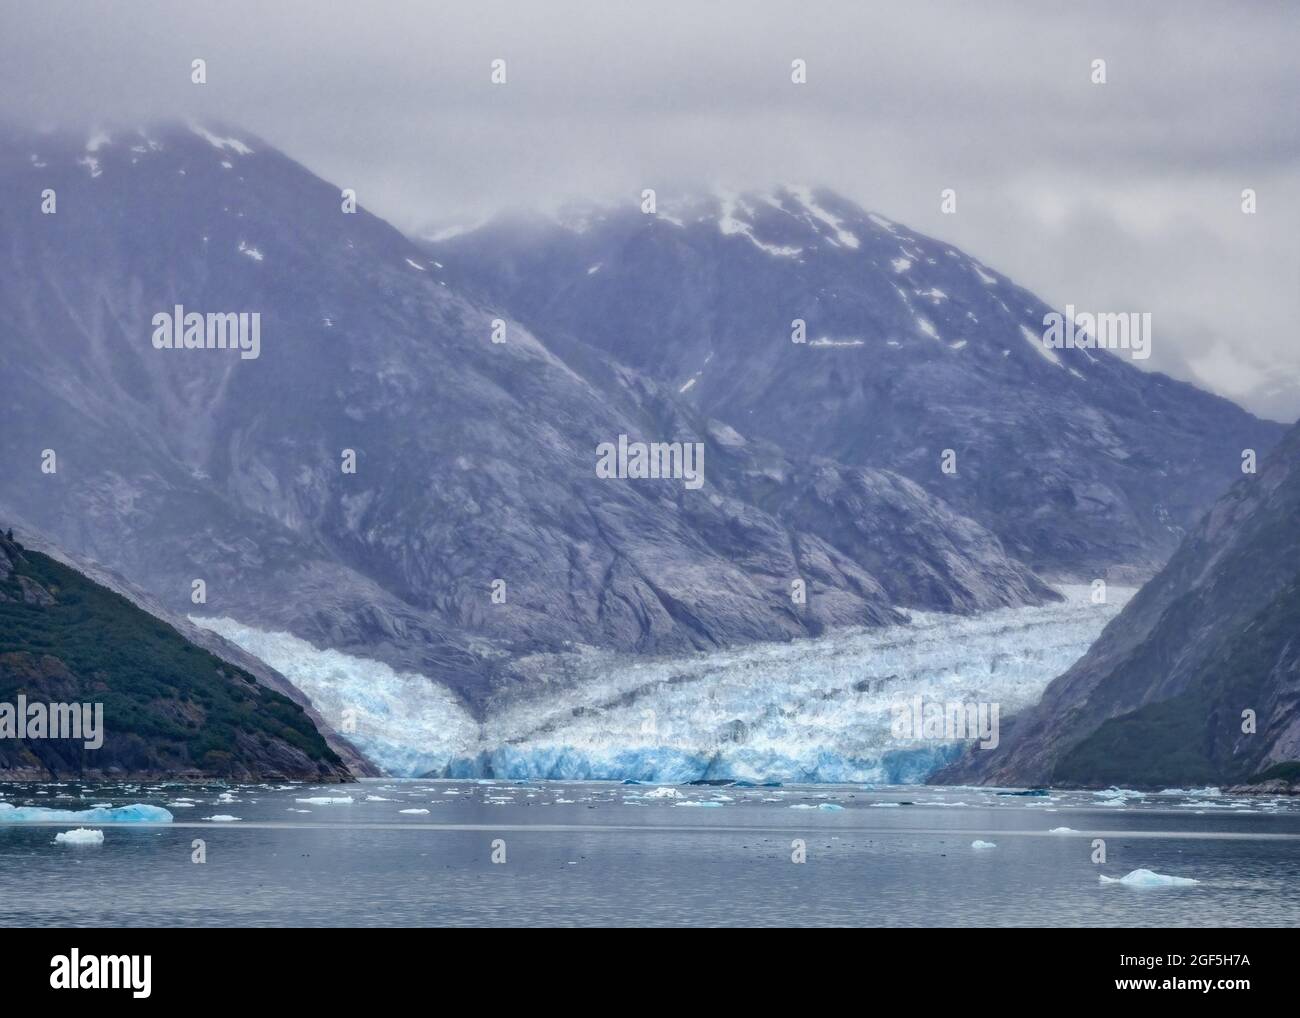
(137, 813)
(815, 710)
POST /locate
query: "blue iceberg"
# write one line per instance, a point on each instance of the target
(137, 813)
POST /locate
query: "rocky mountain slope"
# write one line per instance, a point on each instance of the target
(1077, 460)
(1161, 698)
(474, 460)
(169, 707)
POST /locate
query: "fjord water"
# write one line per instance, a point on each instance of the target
(597, 853)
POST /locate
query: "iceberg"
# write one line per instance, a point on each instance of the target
(983, 844)
(137, 813)
(813, 710)
(81, 836)
(1147, 878)
(327, 800)
(222, 818)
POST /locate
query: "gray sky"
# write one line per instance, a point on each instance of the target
(1117, 197)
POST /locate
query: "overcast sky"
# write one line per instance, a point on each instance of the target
(1124, 196)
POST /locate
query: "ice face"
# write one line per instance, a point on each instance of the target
(808, 711)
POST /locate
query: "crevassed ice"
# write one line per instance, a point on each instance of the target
(811, 710)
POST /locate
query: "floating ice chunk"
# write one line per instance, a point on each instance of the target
(1147, 878)
(831, 807)
(222, 818)
(413, 811)
(377, 798)
(1062, 830)
(695, 802)
(81, 836)
(136, 813)
(326, 800)
(664, 792)
(982, 844)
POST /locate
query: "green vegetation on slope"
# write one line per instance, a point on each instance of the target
(169, 706)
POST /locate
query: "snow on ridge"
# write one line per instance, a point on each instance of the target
(234, 144)
(729, 225)
(805, 197)
(1036, 341)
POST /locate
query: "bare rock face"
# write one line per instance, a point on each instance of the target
(1077, 460)
(1198, 678)
(366, 473)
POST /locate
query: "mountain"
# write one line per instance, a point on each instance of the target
(475, 461)
(169, 707)
(1079, 462)
(1159, 698)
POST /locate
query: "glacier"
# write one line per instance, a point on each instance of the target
(816, 710)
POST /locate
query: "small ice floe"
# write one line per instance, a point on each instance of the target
(982, 844)
(326, 800)
(101, 805)
(1147, 878)
(831, 807)
(81, 836)
(694, 802)
(1062, 830)
(413, 811)
(558, 802)
(883, 805)
(292, 810)
(802, 805)
(181, 805)
(222, 818)
(663, 792)
(377, 798)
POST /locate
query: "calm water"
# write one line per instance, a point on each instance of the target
(596, 853)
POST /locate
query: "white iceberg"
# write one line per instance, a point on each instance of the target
(1147, 878)
(417, 811)
(327, 800)
(982, 844)
(81, 836)
(222, 818)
